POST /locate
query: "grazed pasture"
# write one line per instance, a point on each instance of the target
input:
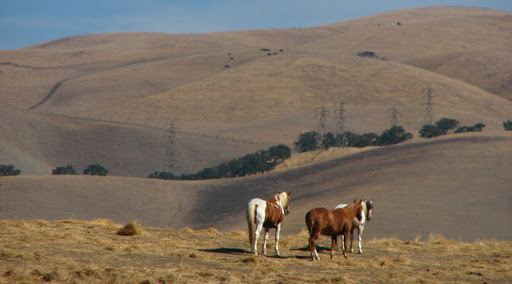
(89, 252)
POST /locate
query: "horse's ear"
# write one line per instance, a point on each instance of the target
(355, 200)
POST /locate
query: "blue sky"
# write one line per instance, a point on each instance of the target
(27, 22)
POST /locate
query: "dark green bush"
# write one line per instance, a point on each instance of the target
(9, 170)
(441, 128)
(507, 124)
(475, 128)
(68, 170)
(394, 135)
(96, 170)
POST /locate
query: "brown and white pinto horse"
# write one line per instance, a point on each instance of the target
(332, 223)
(267, 214)
(359, 224)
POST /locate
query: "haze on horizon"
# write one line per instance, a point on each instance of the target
(28, 22)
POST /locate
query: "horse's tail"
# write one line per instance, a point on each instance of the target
(251, 214)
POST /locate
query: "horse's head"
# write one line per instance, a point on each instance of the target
(369, 209)
(284, 199)
(359, 208)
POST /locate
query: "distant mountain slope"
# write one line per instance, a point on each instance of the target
(254, 88)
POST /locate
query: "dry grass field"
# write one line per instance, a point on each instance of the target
(76, 251)
(110, 99)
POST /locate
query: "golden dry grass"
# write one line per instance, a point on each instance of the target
(91, 252)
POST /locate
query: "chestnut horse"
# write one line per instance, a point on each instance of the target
(332, 223)
(267, 214)
(367, 216)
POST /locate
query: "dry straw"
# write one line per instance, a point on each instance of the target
(131, 229)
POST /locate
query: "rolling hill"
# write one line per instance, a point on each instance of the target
(111, 98)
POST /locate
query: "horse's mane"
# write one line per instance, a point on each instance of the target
(353, 208)
(283, 198)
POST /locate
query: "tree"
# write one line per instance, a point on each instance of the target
(307, 142)
(394, 135)
(96, 170)
(9, 170)
(360, 141)
(329, 140)
(279, 152)
(68, 170)
(429, 131)
(445, 124)
(507, 124)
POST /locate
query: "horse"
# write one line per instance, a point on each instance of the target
(267, 214)
(331, 223)
(367, 215)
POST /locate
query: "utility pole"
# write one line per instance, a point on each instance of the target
(340, 117)
(428, 107)
(171, 147)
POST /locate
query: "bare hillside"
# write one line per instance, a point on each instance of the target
(438, 186)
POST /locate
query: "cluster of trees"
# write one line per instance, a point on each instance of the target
(249, 164)
(9, 170)
(312, 140)
(446, 124)
(94, 170)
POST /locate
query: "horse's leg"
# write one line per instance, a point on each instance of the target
(312, 245)
(360, 230)
(333, 244)
(278, 230)
(352, 238)
(259, 226)
(342, 242)
(346, 243)
(265, 239)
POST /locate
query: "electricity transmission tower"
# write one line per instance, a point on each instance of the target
(340, 117)
(394, 116)
(428, 107)
(171, 147)
(322, 113)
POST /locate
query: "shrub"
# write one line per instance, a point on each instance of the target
(162, 175)
(9, 170)
(96, 170)
(68, 170)
(475, 128)
(507, 124)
